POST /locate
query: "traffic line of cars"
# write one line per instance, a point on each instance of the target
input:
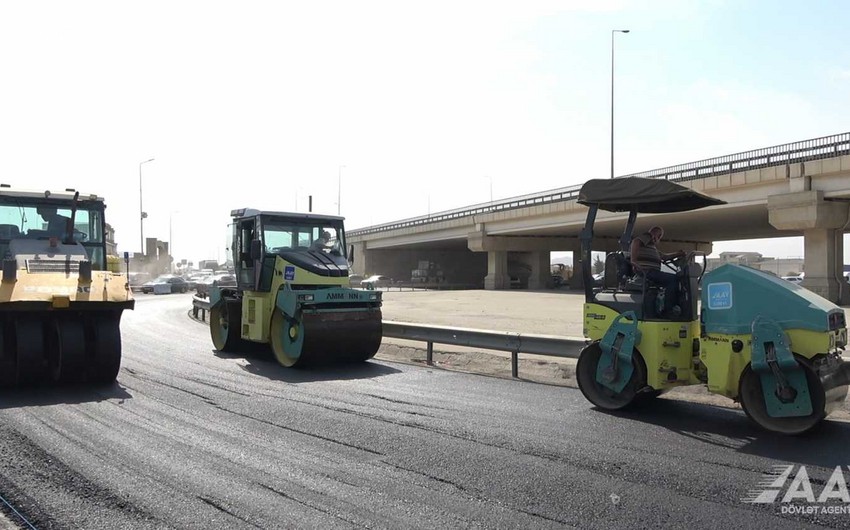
(172, 283)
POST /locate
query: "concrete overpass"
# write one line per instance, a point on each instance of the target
(796, 189)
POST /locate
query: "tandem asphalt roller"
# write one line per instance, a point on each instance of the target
(293, 293)
(771, 345)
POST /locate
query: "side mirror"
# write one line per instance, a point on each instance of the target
(256, 249)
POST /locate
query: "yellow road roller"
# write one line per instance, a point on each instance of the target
(773, 346)
(292, 292)
(60, 307)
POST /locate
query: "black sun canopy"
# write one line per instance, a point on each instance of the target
(644, 195)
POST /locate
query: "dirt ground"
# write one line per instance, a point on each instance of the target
(535, 312)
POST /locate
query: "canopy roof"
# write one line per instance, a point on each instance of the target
(644, 195)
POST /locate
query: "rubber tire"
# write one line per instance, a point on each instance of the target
(278, 328)
(105, 347)
(32, 364)
(599, 395)
(70, 347)
(752, 401)
(224, 327)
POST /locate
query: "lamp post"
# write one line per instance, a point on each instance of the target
(142, 213)
(488, 177)
(339, 190)
(171, 238)
(613, 31)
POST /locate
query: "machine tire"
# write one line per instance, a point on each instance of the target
(278, 331)
(31, 366)
(8, 370)
(69, 346)
(224, 327)
(752, 401)
(106, 348)
(600, 395)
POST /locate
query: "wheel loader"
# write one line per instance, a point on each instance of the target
(292, 292)
(773, 346)
(60, 307)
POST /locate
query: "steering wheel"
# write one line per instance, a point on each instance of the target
(80, 236)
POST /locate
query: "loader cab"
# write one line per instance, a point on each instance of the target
(622, 290)
(29, 220)
(311, 242)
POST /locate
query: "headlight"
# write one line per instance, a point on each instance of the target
(305, 297)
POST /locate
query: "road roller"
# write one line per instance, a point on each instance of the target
(766, 343)
(60, 306)
(292, 292)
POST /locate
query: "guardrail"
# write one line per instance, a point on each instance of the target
(515, 343)
(200, 305)
(802, 151)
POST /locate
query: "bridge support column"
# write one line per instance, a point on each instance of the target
(823, 251)
(541, 271)
(361, 263)
(822, 223)
(497, 270)
(577, 280)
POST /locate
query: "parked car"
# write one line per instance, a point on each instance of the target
(377, 280)
(177, 284)
(222, 280)
(792, 279)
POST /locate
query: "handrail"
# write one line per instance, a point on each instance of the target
(509, 341)
(802, 151)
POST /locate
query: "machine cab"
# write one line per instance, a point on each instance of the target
(622, 290)
(310, 242)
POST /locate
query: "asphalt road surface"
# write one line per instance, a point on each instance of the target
(189, 438)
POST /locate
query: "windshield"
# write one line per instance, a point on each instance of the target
(36, 221)
(322, 236)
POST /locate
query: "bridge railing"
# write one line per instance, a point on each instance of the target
(802, 151)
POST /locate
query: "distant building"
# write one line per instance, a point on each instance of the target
(778, 266)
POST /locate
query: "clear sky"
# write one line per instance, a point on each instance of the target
(412, 106)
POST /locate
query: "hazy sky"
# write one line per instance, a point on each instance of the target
(426, 104)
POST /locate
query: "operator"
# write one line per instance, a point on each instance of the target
(56, 224)
(321, 242)
(646, 260)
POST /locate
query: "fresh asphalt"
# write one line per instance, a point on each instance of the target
(192, 438)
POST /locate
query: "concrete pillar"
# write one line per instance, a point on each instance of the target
(824, 256)
(497, 270)
(822, 223)
(541, 271)
(577, 281)
(360, 262)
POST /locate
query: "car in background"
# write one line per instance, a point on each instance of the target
(202, 288)
(793, 279)
(176, 283)
(376, 281)
(137, 279)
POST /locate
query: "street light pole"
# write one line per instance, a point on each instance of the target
(142, 213)
(171, 239)
(488, 177)
(613, 31)
(339, 191)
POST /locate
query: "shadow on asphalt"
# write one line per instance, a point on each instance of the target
(825, 446)
(262, 363)
(43, 395)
